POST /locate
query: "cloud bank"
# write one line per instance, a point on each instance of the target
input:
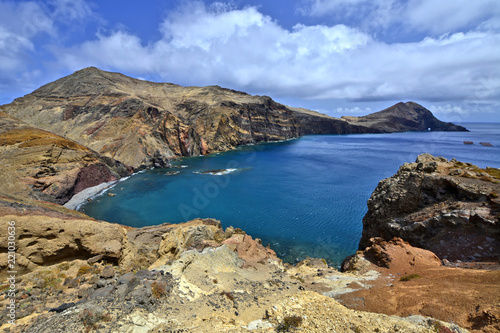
(244, 48)
(456, 62)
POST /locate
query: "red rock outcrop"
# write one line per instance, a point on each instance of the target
(412, 281)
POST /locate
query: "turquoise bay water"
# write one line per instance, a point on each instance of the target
(305, 197)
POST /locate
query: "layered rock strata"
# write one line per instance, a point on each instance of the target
(40, 165)
(144, 124)
(448, 207)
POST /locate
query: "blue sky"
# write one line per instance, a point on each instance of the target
(340, 57)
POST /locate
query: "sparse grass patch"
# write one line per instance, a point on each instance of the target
(355, 328)
(158, 289)
(493, 172)
(64, 266)
(410, 277)
(486, 178)
(84, 269)
(298, 278)
(437, 327)
(288, 323)
(49, 279)
(90, 318)
(51, 282)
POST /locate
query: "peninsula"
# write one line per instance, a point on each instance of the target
(78, 274)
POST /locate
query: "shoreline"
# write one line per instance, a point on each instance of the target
(81, 197)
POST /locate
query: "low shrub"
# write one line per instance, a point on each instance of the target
(441, 328)
(228, 295)
(84, 269)
(90, 318)
(409, 277)
(158, 289)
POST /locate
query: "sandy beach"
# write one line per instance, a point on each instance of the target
(89, 192)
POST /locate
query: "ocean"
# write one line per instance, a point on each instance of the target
(304, 197)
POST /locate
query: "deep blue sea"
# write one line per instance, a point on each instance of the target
(305, 197)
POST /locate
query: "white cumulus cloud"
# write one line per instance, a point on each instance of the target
(244, 49)
(437, 17)
(22, 25)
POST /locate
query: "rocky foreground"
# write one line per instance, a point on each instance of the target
(81, 275)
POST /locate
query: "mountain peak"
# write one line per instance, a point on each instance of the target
(142, 124)
(402, 117)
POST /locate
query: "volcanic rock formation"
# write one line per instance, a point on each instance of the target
(403, 117)
(448, 207)
(143, 124)
(37, 164)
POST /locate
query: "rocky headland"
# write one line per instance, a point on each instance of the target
(448, 207)
(76, 274)
(144, 124)
(93, 127)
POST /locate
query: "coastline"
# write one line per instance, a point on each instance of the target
(82, 196)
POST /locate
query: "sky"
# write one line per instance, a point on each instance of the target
(339, 57)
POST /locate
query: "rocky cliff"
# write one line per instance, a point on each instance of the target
(143, 124)
(40, 165)
(449, 207)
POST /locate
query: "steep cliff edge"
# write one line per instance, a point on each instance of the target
(143, 124)
(448, 207)
(39, 165)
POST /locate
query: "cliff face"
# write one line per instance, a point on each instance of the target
(143, 124)
(448, 207)
(40, 165)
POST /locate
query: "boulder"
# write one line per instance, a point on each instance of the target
(43, 240)
(251, 251)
